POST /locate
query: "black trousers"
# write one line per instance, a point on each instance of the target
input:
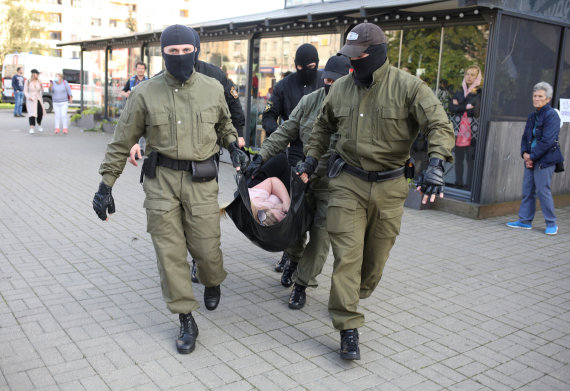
(278, 166)
(40, 116)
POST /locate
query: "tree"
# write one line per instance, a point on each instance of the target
(16, 26)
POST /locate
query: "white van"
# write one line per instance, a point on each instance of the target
(48, 67)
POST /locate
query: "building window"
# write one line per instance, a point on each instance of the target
(95, 21)
(113, 22)
(148, 26)
(76, 3)
(55, 35)
(132, 7)
(54, 18)
(183, 13)
(55, 52)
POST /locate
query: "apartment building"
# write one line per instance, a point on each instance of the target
(76, 20)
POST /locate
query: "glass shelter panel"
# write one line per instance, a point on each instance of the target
(121, 68)
(274, 59)
(460, 89)
(526, 54)
(564, 92)
(154, 60)
(420, 53)
(230, 57)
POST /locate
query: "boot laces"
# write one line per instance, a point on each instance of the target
(184, 323)
(351, 340)
(297, 291)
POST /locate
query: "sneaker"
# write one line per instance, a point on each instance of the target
(349, 349)
(56, 130)
(31, 131)
(40, 129)
(518, 224)
(551, 230)
(64, 131)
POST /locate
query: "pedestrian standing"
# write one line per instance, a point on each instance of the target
(33, 90)
(61, 97)
(18, 83)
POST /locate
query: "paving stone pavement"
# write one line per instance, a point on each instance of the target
(464, 305)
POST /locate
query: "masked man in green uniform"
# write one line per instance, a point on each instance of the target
(182, 115)
(299, 126)
(377, 112)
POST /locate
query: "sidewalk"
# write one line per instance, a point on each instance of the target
(464, 304)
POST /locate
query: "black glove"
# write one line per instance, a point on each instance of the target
(239, 157)
(307, 167)
(103, 201)
(254, 166)
(431, 179)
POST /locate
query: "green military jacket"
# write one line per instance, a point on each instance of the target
(300, 124)
(181, 120)
(377, 125)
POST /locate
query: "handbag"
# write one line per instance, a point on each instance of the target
(560, 165)
(464, 134)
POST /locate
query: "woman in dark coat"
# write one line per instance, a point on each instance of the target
(464, 110)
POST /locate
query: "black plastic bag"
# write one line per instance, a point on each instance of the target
(275, 237)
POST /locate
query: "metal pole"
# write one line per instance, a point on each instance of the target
(439, 61)
(247, 130)
(106, 109)
(81, 73)
(400, 52)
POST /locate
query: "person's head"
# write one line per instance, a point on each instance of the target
(263, 216)
(140, 69)
(336, 67)
(35, 74)
(19, 70)
(472, 73)
(541, 94)
(307, 62)
(58, 77)
(366, 47)
(178, 46)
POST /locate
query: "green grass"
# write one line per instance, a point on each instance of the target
(6, 106)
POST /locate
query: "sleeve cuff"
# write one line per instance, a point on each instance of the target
(109, 180)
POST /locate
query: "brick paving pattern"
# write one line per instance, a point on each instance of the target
(463, 305)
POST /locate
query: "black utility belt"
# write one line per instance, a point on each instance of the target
(374, 176)
(202, 171)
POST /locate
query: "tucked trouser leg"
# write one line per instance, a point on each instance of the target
(528, 203)
(542, 180)
(167, 233)
(202, 229)
(317, 249)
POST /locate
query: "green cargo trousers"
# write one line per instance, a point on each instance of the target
(183, 216)
(363, 220)
(317, 250)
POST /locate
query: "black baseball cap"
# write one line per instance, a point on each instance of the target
(35, 71)
(361, 37)
(337, 66)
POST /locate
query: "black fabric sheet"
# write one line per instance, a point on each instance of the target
(279, 236)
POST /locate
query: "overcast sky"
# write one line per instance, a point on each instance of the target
(206, 10)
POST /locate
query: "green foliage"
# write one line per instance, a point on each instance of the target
(92, 110)
(75, 117)
(16, 26)
(131, 22)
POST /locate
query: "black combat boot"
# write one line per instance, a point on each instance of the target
(212, 297)
(298, 297)
(186, 341)
(290, 268)
(193, 274)
(281, 263)
(349, 349)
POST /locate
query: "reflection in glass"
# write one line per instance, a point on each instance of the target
(564, 86)
(274, 59)
(420, 53)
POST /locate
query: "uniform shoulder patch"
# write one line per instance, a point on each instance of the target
(233, 92)
(268, 106)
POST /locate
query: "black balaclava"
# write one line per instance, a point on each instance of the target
(179, 66)
(306, 54)
(365, 67)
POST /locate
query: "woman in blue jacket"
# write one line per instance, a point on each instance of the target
(541, 152)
